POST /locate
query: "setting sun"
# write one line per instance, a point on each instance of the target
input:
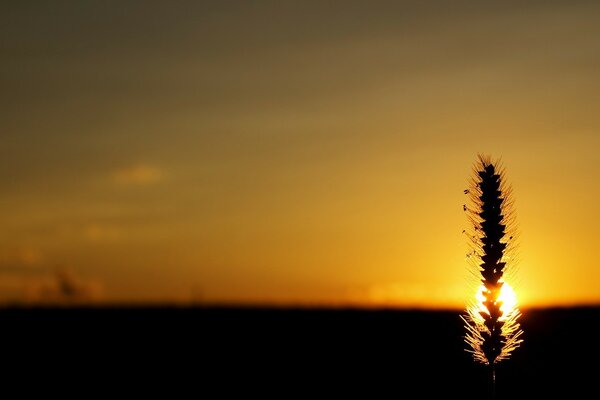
(507, 298)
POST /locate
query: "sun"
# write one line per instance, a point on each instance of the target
(507, 298)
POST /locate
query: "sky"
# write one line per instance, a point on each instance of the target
(293, 152)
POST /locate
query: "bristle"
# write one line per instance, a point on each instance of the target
(492, 332)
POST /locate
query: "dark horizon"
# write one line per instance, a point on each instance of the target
(157, 305)
(280, 351)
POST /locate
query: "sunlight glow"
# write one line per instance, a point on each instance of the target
(477, 328)
(507, 297)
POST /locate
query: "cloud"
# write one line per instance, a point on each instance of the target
(62, 288)
(140, 174)
(414, 294)
(101, 233)
(20, 256)
(11, 287)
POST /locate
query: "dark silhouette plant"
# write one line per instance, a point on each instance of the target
(493, 331)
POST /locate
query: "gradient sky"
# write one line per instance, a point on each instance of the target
(306, 152)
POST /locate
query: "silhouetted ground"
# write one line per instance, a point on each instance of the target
(286, 353)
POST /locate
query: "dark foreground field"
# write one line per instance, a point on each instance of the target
(218, 353)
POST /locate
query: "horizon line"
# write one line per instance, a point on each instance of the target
(265, 305)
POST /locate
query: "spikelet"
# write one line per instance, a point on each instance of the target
(492, 327)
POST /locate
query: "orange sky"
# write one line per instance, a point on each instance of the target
(302, 152)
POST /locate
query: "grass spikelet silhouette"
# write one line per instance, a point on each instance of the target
(491, 319)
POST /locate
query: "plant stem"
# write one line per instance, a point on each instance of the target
(493, 382)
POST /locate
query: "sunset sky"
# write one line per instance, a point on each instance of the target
(303, 152)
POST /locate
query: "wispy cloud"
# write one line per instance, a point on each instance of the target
(45, 286)
(101, 233)
(24, 256)
(414, 294)
(139, 174)
(62, 288)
